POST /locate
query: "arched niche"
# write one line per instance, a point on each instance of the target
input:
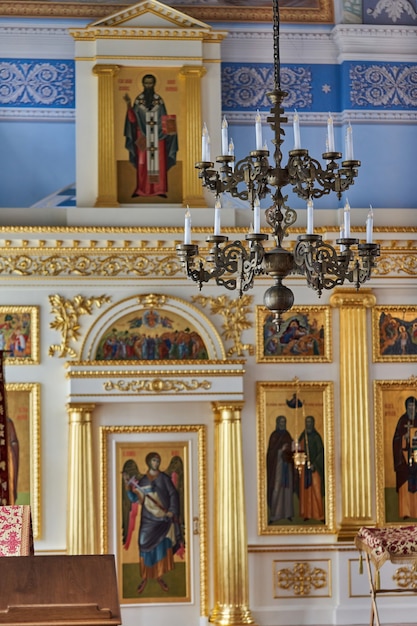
(211, 374)
(153, 315)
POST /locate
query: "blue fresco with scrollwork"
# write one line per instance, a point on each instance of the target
(383, 85)
(246, 86)
(399, 12)
(368, 85)
(29, 83)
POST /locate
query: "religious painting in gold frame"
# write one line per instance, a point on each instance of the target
(295, 500)
(394, 333)
(19, 334)
(126, 453)
(304, 335)
(23, 411)
(140, 178)
(315, 11)
(396, 450)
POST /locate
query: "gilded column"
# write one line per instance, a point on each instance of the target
(231, 585)
(192, 190)
(356, 449)
(107, 174)
(82, 537)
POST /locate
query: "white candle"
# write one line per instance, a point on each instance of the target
(346, 219)
(217, 210)
(225, 139)
(208, 148)
(256, 216)
(296, 127)
(327, 148)
(342, 236)
(258, 131)
(204, 141)
(330, 133)
(369, 225)
(232, 153)
(310, 217)
(187, 227)
(349, 143)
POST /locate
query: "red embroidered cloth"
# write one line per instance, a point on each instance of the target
(15, 531)
(398, 544)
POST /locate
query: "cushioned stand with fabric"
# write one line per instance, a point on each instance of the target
(15, 530)
(396, 544)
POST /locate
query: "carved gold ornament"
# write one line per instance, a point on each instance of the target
(406, 577)
(67, 313)
(302, 579)
(157, 385)
(145, 252)
(235, 313)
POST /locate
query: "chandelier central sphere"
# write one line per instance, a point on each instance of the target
(235, 264)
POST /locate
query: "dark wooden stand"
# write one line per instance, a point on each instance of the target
(59, 591)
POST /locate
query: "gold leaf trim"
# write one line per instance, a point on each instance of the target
(157, 385)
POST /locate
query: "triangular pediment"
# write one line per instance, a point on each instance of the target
(149, 14)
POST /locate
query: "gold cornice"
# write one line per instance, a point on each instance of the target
(202, 229)
(322, 14)
(215, 372)
(26, 8)
(292, 547)
(128, 263)
(150, 252)
(122, 57)
(142, 34)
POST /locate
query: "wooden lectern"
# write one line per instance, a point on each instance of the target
(59, 591)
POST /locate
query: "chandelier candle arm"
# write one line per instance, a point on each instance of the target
(256, 216)
(310, 217)
(369, 225)
(346, 220)
(232, 154)
(342, 236)
(187, 227)
(258, 131)
(217, 216)
(205, 150)
(296, 127)
(330, 134)
(349, 143)
(225, 138)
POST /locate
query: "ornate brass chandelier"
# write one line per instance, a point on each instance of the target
(235, 264)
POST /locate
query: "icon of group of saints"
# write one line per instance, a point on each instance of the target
(285, 481)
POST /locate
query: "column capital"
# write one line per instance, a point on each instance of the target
(353, 298)
(109, 70)
(80, 412)
(194, 71)
(227, 406)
